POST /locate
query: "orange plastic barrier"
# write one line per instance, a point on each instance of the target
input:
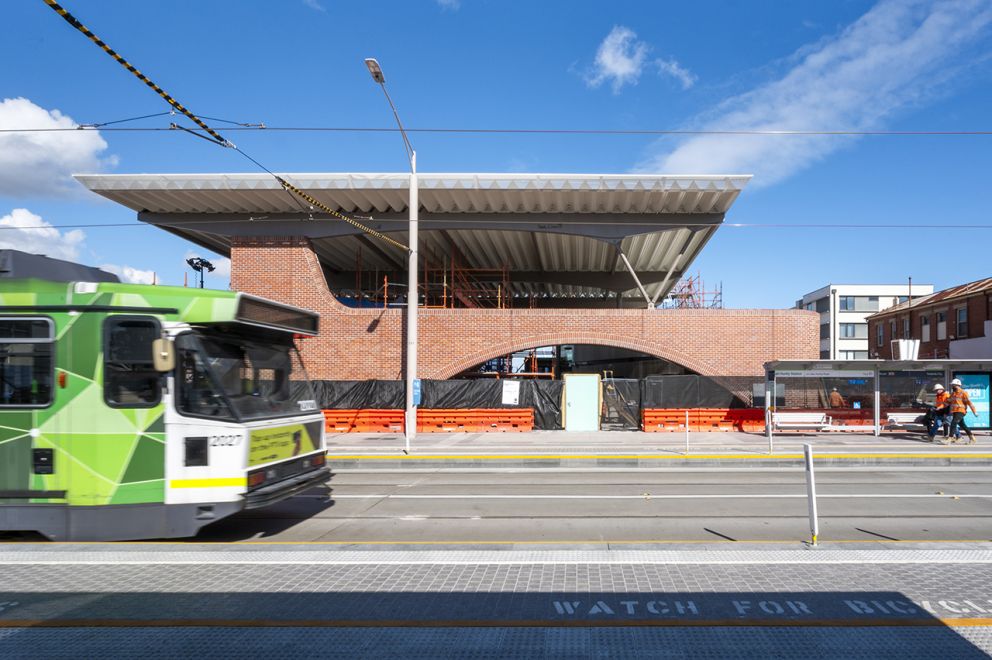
(363, 421)
(475, 420)
(712, 420)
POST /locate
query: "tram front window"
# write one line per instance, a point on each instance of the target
(223, 377)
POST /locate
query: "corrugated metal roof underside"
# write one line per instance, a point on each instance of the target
(438, 193)
(521, 252)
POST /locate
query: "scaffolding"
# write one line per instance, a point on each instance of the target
(690, 293)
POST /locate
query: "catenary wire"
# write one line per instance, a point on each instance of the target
(529, 131)
(214, 136)
(731, 225)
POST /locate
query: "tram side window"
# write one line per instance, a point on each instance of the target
(129, 376)
(27, 362)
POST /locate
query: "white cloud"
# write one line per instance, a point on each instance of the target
(896, 55)
(25, 231)
(314, 4)
(42, 163)
(672, 68)
(449, 4)
(129, 274)
(621, 57)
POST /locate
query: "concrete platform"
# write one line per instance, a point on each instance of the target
(169, 600)
(637, 449)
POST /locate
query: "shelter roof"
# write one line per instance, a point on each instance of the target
(439, 193)
(557, 234)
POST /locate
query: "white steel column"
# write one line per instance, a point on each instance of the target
(412, 297)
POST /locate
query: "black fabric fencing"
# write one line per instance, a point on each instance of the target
(623, 399)
(621, 404)
(544, 396)
(686, 392)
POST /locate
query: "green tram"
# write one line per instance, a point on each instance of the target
(133, 412)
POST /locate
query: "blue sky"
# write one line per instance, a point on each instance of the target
(844, 65)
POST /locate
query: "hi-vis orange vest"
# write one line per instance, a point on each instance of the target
(942, 398)
(959, 401)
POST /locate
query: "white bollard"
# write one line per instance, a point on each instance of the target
(814, 523)
(686, 432)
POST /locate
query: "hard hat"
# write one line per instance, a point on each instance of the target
(938, 386)
(956, 381)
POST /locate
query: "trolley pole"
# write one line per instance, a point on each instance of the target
(814, 523)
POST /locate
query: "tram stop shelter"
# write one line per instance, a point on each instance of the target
(866, 395)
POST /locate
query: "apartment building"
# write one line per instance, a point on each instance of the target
(844, 310)
(955, 323)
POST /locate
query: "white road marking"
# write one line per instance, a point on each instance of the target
(702, 496)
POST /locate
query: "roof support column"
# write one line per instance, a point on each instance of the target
(640, 286)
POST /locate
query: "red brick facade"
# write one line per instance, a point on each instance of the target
(978, 304)
(367, 343)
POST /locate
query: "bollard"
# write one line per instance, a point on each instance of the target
(769, 423)
(686, 432)
(814, 524)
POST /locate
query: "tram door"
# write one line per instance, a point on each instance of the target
(582, 402)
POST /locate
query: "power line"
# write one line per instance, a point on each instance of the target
(520, 131)
(732, 225)
(212, 134)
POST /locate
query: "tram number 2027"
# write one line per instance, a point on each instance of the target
(225, 440)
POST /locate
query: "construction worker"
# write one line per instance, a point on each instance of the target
(836, 399)
(959, 403)
(940, 412)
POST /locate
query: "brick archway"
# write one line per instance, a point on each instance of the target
(357, 344)
(465, 361)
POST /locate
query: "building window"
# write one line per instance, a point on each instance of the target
(27, 363)
(858, 303)
(925, 328)
(880, 334)
(892, 329)
(854, 330)
(906, 331)
(824, 355)
(811, 306)
(854, 355)
(129, 376)
(961, 325)
(825, 331)
(941, 326)
(823, 305)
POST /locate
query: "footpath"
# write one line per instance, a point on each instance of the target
(627, 449)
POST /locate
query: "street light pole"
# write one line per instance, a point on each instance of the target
(412, 295)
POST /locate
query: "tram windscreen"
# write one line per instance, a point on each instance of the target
(225, 377)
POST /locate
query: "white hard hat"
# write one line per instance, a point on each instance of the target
(938, 386)
(956, 381)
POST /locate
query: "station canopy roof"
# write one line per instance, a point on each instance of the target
(558, 234)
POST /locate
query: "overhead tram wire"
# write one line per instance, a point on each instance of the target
(240, 126)
(729, 225)
(214, 136)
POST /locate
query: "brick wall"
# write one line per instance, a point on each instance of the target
(979, 308)
(368, 343)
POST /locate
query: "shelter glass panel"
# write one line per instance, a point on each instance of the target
(907, 389)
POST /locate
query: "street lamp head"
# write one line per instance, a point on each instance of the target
(375, 70)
